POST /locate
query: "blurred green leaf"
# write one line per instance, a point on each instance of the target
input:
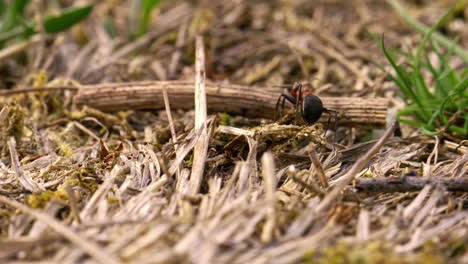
(428, 34)
(56, 24)
(109, 27)
(411, 122)
(146, 8)
(429, 132)
(459, 130)
(140, 15)
(3, 7)
(12, 14)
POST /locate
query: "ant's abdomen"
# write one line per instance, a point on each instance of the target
(312, 108)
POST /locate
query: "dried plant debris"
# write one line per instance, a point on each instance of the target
(80, 185)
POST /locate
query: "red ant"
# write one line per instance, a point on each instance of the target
(311, 107)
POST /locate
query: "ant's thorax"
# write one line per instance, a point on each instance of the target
(304, 91)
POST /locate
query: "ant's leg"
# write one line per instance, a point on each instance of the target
(328, 122)
(295, 111)
(277, 106)
(335, 125)
(299, 103)
(281, 101)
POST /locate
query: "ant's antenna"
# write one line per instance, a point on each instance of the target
(288, 85)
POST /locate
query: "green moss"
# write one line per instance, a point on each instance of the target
(372, 252)
(458, 248)
(15, 122)
(112, 200)
(189, 162)
(224, 119)
(39, 200)
(61, 194)
(81, 178)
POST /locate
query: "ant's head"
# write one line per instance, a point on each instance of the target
(298, 89)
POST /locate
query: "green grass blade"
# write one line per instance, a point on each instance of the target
(459, 130)
(429, 132)
(146, 8)
(404, 81)
(462, 53)
(56, 24)
(459, 89)
(461, 86)
(109, 27)
(411, 122)
(464, 73)
(429, 33)
(420, 88)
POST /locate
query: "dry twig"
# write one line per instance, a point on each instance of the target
(249, 101)
(410, 184)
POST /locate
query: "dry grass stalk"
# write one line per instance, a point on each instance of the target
(201, 146)
(167, 106)
(268, 172)
(169, 117)
(357, 167)
(363, 225)
(73, 203)
(318, 167)
(167, 21)
(18, 47)
(88, 246)
(27, 182)
(235, 131)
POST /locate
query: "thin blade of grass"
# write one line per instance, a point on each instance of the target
(402, 80)
(424, 29)
(420, 88)
(411, 122)
(428, 34)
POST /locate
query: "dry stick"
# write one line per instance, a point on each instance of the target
(318, 167)
(201, 147)
(246, 100)
(37, 89)
(91, 248)
(410, 184)
(351, 174)
(311, 187)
